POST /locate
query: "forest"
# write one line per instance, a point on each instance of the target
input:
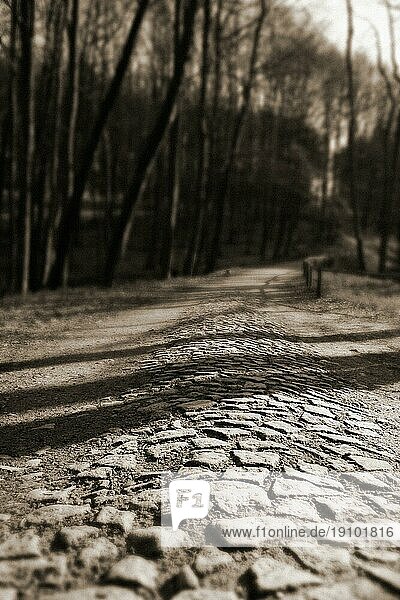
(160, 138)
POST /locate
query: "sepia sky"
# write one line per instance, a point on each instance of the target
(332, 14)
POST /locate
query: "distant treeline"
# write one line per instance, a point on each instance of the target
(150, 138)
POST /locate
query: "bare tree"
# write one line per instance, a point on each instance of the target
(26, 137)
(192, 256)
(351, 137)
(123, 226)
(230, 159)
(173, 190)
(70, 216)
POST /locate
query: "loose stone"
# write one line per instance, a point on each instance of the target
(72, 537)
(268, 575)
(210, 560)
(16, 546)
(134, 571)
(121, 519)
(57, 514)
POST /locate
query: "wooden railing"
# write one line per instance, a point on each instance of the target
(314, 265)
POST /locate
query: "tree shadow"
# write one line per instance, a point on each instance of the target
(359, 336)
(155, 392)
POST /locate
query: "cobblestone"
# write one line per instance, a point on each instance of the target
(224, 388)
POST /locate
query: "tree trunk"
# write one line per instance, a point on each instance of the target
(192, 255)
(389, 189)
(351, 139)
(268, 203)
(173, 191)
(212, 146)
(54, 204)
(44, 139)
(26, 137)
(12, 158)
(70, 115)
(229, 164)
(153, 255)
(71, 211)
(146, 156)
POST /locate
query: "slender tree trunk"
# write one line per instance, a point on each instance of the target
(203, 142)
(12, 158)
(173, 192)
(167, 255)
(122, 230)
(44, 138)
(71, 211)
(283, 220)
(390, 177)
(326, 164)
(153, 255)
(212, 146)
(229, 164)
(351, 139)
(52, 195)
(26, 137)
(268, 202)
(70, 114)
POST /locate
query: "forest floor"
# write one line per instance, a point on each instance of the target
(100, 391)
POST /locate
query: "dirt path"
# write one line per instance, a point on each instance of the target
(234, 369)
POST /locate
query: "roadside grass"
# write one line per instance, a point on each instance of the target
(370, 294)
(55, 311)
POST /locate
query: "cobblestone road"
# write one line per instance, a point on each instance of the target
(227, 383)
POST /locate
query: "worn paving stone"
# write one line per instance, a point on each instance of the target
(97, 592)
(323, 481)
(134, 571)
(238, 498)
(8, 593)
(151, 542)
(296, 507)
(388, 577)
(256, 459)
(165, 450)
(367, 481)
(172, 434)
(186, 579)
(323, 559)
(120, 519)
(97, 552)
(285, 487)
(378, 555)
(281, 426)
(26, 545)
(210, 560)
(20, 572)
(344, 508)
(43, 496)
(207, 442)
(362, 590)
(118, 461)
(371, 464)
(205, 594)
(226, 434)
(57, 574)
(78, 535)
(268, 576)
(57, 514)
(319, 410)
(209, 459)
(97, 473)
(250, 475)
